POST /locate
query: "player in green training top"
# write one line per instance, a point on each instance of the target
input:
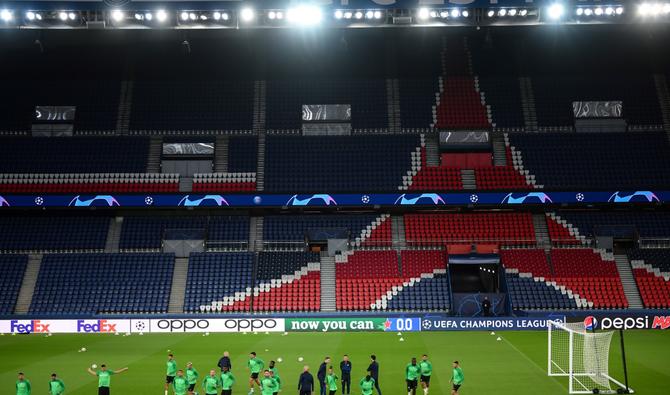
(456, 378)
(191, 377)
(412, 372)
(367, 384)
(22, 385)
(331, 381)
(56, 385)
(268, 385)
(255, 365)
(227, 381)
(104, 376)
(180, 383)
(171, 371)
(426, 371)
(274, 373)
(211, 383)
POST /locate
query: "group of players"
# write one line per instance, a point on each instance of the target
(268, 380)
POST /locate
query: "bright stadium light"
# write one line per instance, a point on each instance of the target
(247, 14)
(588, 12)
(272, 15)
(455, 13)
(444, 14)
(280, 15)
(619, 10)
(148, 16)
(523, 12)
(666, 8)
(306, 15)
(203, 17)
(424, 13)
(491, 13)
(512, 12)
(339, 14)
(378, 15)
(556, 11)
(62, 16)
(192, 16)
(6, 15)
(465, 13)
(609, 11)
(598, 11)
(117, 15)
(139, 17)
(161, 15)
(72, 16)
(502, 12)
(358, 15)
(579, 11)
(348, 15)
(433, 14)
(30, 16)
(183, 16)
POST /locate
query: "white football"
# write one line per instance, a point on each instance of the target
(279, 359)
(402, 339)
(83, 349)
(94, 366)
(300, 359)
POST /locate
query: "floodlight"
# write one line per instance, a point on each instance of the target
(304, 15)
(369, 15)
(619, 10)
(523, 12)
(423, 13)
(30, 16)
(192, 16)
(502, 12)
(358, 15)
(117, 15)
(378, 15)
(183, 16)
(72, 16)
(444, 14)
(556, 11)
(579, 11)
(139, 17)
(247, 14)
(609, 11)
(490, 14)
(348, 15)
(62, 16)
(465, 13)
(161, 15)
(339, 14)
(6, 15)
(512, 12)
(433, 14)
(598, 11)
(148, 16)
(588, 12)
(217, 15)
(455, 13)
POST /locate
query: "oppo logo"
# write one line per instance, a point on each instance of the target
(182, 325)
(215, 325)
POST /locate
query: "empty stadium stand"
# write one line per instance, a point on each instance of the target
(645, 224)
(103, 283)
(651, 267)
(13, 267)
(53, 233)
(218, 280)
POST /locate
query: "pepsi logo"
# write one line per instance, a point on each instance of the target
(590, 323)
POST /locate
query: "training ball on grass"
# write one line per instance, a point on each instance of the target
(402, 339)
(285, 333)
(267, 333)
(280, 359)
(267, 349)
(94, 366)
(83, 349)
(300, 359)
(499, 338)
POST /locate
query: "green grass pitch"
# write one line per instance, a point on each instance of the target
(516, 365)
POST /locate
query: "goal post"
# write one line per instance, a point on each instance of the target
(583, 357)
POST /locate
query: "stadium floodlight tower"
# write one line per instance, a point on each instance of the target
(583, 357)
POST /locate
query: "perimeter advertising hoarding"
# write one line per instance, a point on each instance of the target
(357, 324)
(442, 323)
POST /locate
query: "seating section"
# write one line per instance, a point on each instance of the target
(619, 161)
(417, 98)
(528, 292)
(588, 275)
(502, 228)
(141, 233)
(242, 154)
(103, 283)
(295, 227)
(89, 183)
(651, 267)
(74, 154)
(500, 177)
(530, 261)
(554, 96)
(645, 224)
(216, 282)
(13, 267)
(460, 104)
(337, 163)
(367, 98)
(224, 182)
(194, 105)
(561, 232)
(374, 280)
(503, 97)
(96, 101)
(53, 234)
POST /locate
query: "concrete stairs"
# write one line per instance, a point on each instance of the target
(260, 89)
(221, 154)
(541, 231)
(328, 295)
(260, 165)
(661, 83)
(393, 105)
(185, 184)
(125, 106)
(528, 104)
(398, 231)
(114, 235)
(178, 290)
(432, 150)
(27, 290)
(499, 149)
(628, 281)
(468, 179)
(256, 234)
(155, 154)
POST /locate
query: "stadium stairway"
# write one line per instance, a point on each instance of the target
(661, 83)
(432, 150)
(260, 167)
(27, 290)
(398, 231)
(328, 284)
(541, 231)
(499, 149)
(255, 233)
(155, 154)
(528, 104)
(178, 290)
(628, 281)
(221, 154)
(468, 179)
(114, 235)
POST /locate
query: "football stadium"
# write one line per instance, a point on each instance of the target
(262, 197)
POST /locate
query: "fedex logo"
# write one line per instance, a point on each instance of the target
(35, 326)
(96, 326)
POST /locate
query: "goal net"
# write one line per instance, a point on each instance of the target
(583, 357)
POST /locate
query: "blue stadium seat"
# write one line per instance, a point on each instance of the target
(619, 223)
(13, 267)
(55, 234)
(527, 293)
(429, 294)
